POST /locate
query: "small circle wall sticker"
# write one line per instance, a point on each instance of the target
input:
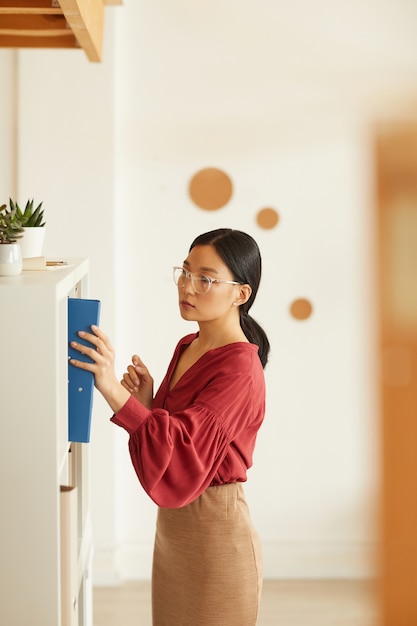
(267, 218)
(301, 309)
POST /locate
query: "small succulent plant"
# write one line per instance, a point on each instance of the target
(10, 226)
(29, 217)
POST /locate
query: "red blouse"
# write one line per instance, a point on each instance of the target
(202, 432)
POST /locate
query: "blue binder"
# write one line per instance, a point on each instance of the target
(82, 314)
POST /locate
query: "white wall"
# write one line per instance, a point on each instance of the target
(8, 120)
(282, 100)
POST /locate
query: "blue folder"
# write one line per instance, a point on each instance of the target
(82, 313)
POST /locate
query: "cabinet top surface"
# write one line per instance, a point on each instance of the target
(51, 277)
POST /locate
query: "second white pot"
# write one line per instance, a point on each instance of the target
(32, 242)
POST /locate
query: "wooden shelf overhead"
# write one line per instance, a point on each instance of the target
(54, 24)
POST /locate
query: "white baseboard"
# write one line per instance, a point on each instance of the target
(307, 560)
(282, 560)
(114, 565)
(105, 571)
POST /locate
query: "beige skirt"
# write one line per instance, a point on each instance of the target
(207, 566)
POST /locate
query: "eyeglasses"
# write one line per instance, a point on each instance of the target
(200, 283)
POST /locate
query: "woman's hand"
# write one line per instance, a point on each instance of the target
(101, 353)
(138, 381)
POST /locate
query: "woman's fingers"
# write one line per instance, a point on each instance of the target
(98, 343)
(136, 376)
(141, 369)
(99, 333)
(90, 352)
(96, 338)
(84, 365)
(131, 372)
(130, 379)
(82, 348)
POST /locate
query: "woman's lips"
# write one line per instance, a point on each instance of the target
(186, 304)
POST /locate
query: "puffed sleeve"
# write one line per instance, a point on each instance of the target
(176, 452)
(174, 456)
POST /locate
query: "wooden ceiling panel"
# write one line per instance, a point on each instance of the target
(54, 24)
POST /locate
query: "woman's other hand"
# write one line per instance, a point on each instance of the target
(138, 381)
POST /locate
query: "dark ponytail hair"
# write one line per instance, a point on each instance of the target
(241, 254)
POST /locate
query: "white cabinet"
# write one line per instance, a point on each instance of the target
(35, 456)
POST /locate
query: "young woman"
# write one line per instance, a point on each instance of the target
(192, 443)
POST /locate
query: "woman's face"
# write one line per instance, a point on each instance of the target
(218, 301)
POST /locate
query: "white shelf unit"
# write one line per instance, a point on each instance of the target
(35, 455)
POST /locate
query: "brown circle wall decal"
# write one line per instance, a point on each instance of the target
(210, 189)
(301, 309)
(267, 218)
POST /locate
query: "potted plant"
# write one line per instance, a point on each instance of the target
(10, 251)
(33, 223)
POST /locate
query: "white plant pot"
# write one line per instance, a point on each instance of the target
(10, 259)
(32, 241)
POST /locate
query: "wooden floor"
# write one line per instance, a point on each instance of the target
(284, 603)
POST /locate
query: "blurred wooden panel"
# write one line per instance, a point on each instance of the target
(29, 6)
(396, 171)
(53, 24)
(33, 22)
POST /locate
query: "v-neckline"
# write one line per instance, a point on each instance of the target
(171, 386)
(184, 347)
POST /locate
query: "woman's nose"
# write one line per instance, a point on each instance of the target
(188, 283)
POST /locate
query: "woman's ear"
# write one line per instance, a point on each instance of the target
(244, 293)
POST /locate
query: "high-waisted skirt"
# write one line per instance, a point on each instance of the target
(207, 565)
